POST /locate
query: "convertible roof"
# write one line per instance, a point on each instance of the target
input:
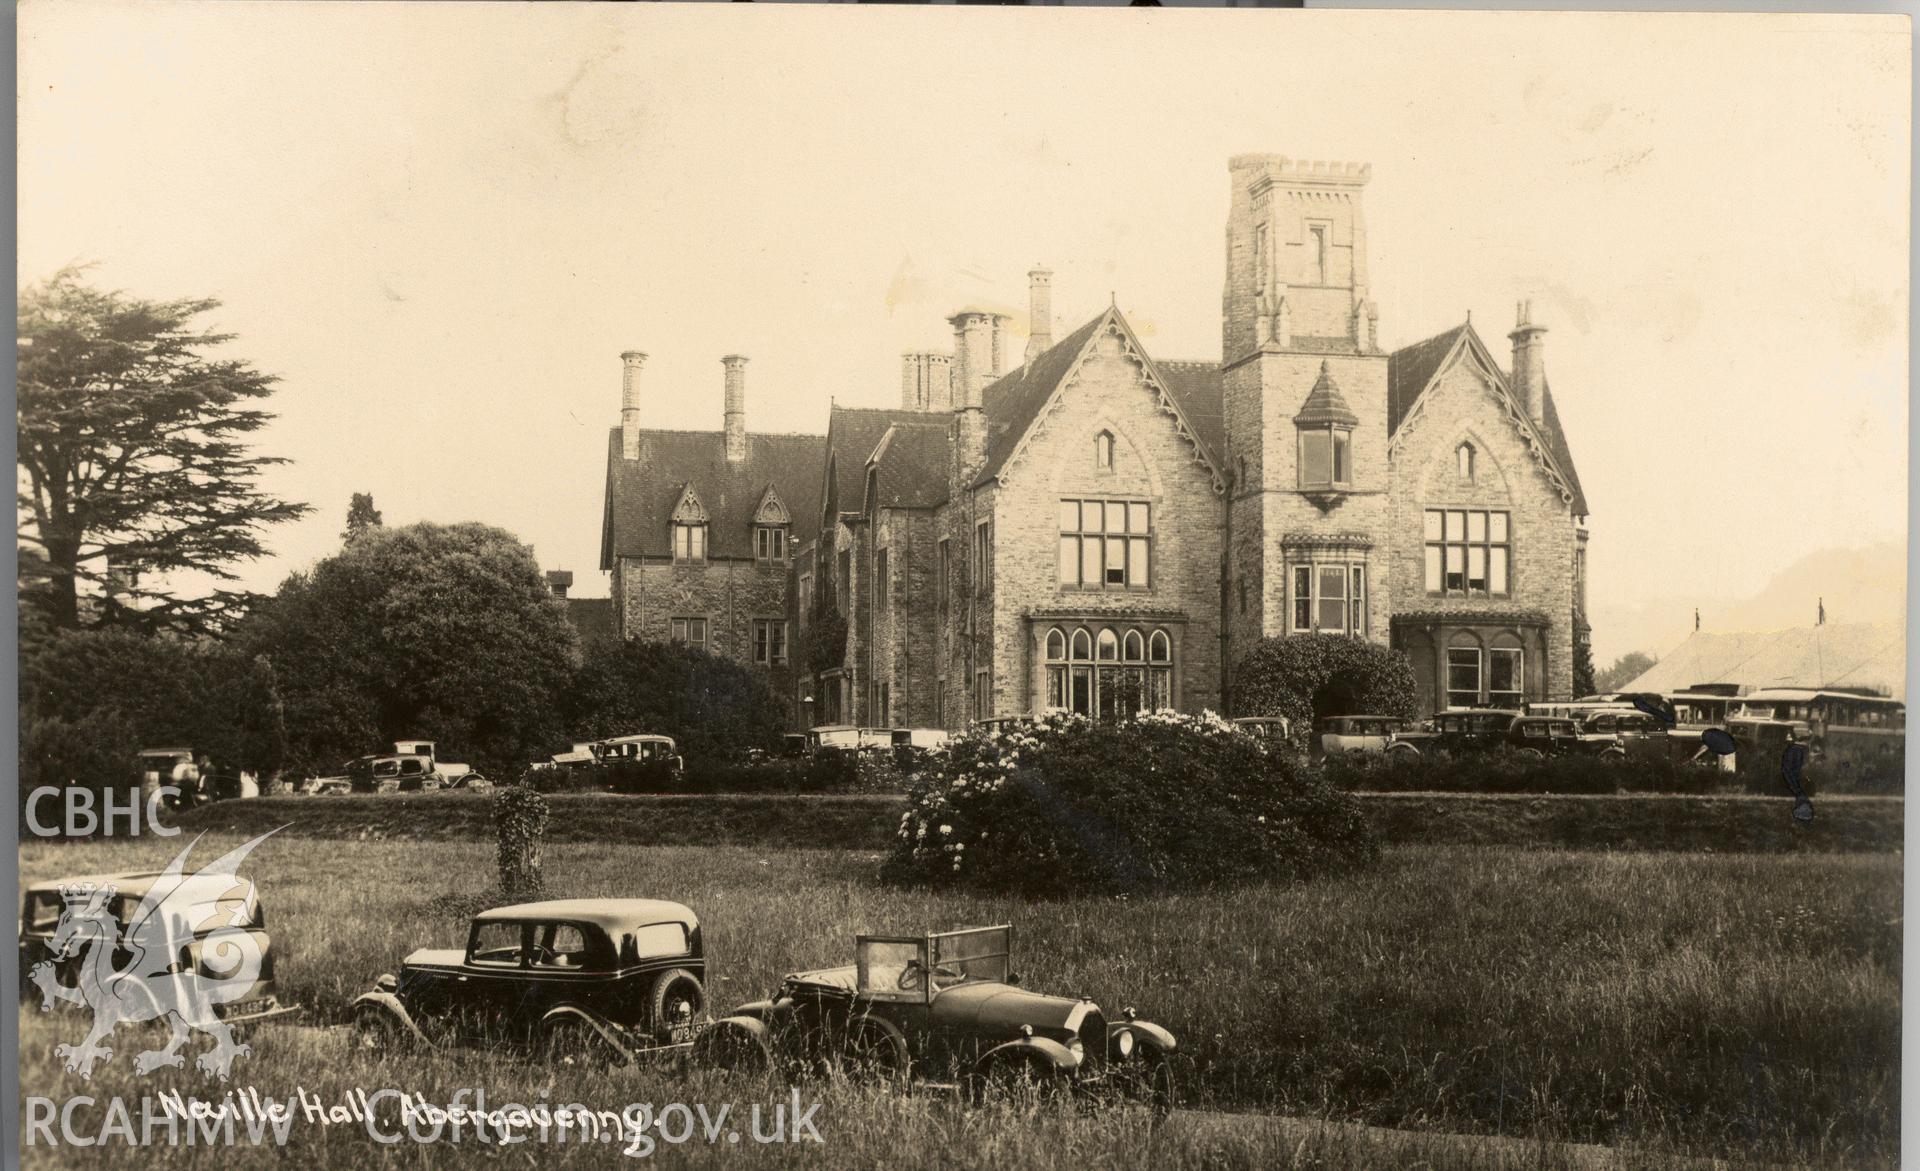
(607, 913)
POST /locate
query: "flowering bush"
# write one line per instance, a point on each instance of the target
(1163, 801)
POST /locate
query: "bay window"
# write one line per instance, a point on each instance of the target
(1330, 598)
(1325, 457)
(1109, 673)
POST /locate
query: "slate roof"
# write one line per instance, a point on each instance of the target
(910, 465)
(1858, 654)
(642, 493)
(1196, 386)
(1325, 403)
(852, 434)
(1015, 400)
(1411, 368)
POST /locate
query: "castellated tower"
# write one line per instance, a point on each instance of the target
(1305, 397)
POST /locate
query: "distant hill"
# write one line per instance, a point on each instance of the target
(1863, 585)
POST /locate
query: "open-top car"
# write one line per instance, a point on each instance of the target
(944, 1009)
(579, 980)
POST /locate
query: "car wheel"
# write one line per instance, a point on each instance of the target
(375, 1031)
(1023, 1083)
(1529, 754)
(1401, 753)
(875, 1053)
(1153, 1084)
(733, 1048)
(1614, 756)
(574, 1044)
(678, 1000)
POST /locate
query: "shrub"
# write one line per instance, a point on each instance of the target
(1163, 801)
(1308, 675)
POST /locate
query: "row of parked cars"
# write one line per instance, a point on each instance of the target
(609, 981)
(1609, 730)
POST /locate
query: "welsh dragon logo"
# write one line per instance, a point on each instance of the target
(184, 949)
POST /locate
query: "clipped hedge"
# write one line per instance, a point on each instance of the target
(1161, 802)
(1500, 771)
(823, 772)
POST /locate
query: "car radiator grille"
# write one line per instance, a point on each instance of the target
(1093, 1038)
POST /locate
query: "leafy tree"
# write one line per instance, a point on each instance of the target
(361, 516)
(713, 707)
(1625, 670)
(91, 699)
(440, 632)
(1305, 676)
(132, 461)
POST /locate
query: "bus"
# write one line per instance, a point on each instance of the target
(1847, 731)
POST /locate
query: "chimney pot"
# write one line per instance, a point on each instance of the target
(736, 414)
(631, 361)
(1529, 363)
(1039, 312)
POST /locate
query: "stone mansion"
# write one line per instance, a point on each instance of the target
(1081, 524)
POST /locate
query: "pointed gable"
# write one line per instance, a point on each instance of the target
(1413, 369)
(772, 510)
(689, 511)
(1017, 401)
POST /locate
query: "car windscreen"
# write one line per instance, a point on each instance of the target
(969, 956)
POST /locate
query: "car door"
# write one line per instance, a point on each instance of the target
(486, 992)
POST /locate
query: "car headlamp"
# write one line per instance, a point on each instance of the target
(1078, 1050)
(1123, 1043)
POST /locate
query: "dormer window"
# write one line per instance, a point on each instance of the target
(1325, 425)
(689, 528)
(1325, 457)
(1464, 455)
(1103, 451)
(689, 542)
(770, 543)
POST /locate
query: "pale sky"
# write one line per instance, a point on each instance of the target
(441, 224)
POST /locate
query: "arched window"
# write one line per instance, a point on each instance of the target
(1056, 668)
(1079, 693)
(1107, 645)
(1103, 451)
(1465, 457)
(1133, 649)
(1159, 671)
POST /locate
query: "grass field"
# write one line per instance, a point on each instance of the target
(1745, 1006)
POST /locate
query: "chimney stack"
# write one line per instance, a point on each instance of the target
(631, 361)
(926, 382)
(736, 407)
(1529, 363)
(1039, 312)
(972, 358)
(999, 360)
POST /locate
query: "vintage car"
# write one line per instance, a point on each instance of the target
(1337, 734)
(1538, 736)
(645, 748)
(944, 1009)
(597, 981)
(213, 904)
(1273, 729)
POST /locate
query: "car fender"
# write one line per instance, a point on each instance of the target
(1145, 1032)
(607, 1032)
(1056, 1056)
(390, 1004)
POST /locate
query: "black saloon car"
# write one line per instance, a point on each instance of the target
(946, 1009)
(599, 980)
